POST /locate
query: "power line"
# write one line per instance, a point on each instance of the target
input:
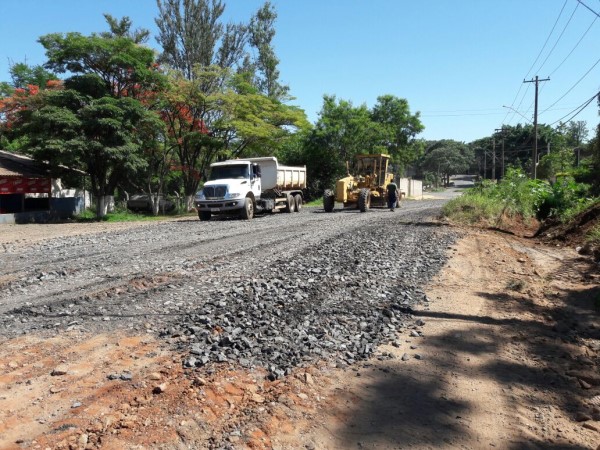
(572, 87)
(576, 45)
(548, 38)
(578, 109)
(532, 65)
(593, 12)
(559, 36)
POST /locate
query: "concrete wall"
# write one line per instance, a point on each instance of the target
(412, 188)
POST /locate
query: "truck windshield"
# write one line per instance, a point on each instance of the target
(221, 172)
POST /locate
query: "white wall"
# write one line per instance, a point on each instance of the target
(412, 188)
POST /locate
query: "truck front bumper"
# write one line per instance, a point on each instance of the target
(220, 206)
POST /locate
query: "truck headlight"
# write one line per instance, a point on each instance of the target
(233, 194)
(199, 196)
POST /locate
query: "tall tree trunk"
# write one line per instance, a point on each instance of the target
(100, 207)
(189, 203)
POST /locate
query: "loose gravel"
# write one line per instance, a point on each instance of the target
(278, 292)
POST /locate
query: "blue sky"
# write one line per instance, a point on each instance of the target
(458, 62)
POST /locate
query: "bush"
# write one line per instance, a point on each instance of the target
(565, 199)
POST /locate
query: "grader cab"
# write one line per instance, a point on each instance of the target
(367, 188)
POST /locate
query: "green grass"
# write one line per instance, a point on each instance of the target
(473, 208)
(122, 216)
(315, 202)
(593, 236)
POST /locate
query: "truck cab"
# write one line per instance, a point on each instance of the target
(229, 184)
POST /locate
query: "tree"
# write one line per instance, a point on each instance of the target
(262, 32)
(101, 121)
(100, 135)
(399, 129)
(23, 75)
(126, 68)
(341, 132)
(122, 28)
(446, 158)
(191, 34)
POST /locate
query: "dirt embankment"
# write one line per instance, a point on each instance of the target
(505, 353)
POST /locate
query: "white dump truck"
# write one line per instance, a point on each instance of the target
(252, 185)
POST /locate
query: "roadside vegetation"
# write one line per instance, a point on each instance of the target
(564, 205)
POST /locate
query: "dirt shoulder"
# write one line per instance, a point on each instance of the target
(504, 354)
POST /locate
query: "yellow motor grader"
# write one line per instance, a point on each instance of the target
(365, 189)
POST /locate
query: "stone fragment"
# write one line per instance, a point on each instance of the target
(159, 389)
(59, 371)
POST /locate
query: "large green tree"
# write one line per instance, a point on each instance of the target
(445, 158)
(398, 129)
(101, 121)
(344, 130)
(102, 136)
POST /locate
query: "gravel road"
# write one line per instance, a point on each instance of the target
(279, 291)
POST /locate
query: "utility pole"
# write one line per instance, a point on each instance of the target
(502, 130)
(494, 158)
(535, 126)
(484, 164)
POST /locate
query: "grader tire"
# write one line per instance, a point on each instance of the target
(328, 200)
(364, 200)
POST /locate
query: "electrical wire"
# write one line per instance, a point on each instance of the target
(576, 45)
(593, 12)
(577, 110)
(534, 62)
(548, 38)
(559, 36)
(572, 87)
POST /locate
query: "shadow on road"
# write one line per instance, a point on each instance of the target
(405, 409)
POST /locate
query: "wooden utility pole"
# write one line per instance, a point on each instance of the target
(501, 130)
(484, 164)
(494, 158)
(536, 80)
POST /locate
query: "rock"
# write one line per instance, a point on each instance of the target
(405, 357)
(155, 376)
(59, 371)
(160, 388)
(591, 426)
(256, 398)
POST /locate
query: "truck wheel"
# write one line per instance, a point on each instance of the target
(248, 210)
(204, 215)
(328, 200)
(364, 200)
(298, 202)
(289, 204)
